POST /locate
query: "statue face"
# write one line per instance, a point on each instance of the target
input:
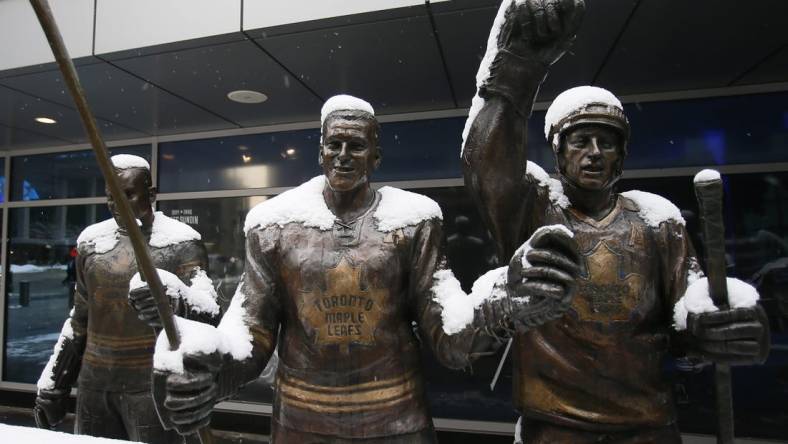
(591, 156)
(349, 153)
(135, 183)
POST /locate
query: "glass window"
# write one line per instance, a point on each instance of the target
(39, 283)
(62, 175)
(2, 180)
(220, 222)
(239, 162)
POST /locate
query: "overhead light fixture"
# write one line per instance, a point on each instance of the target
(290, 151)
(45, 120)
(247, 96)
(245, 158)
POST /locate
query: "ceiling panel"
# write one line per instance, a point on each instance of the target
(11, 138)
(120, 97)
(205, 75)
(19, 110)
(675, 45)
(773, 69)
(464, 36)
(393, 64)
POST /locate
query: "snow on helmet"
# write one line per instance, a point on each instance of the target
(582, 105)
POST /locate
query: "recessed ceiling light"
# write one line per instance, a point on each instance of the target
(290, 151)
(247, 96)
(46, 120)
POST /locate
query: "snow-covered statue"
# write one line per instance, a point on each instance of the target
(594, 374)
(103, 346)
(336, 274)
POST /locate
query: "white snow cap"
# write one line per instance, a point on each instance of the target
(305, 204)
(707, 175)
(201, 296)
(457, 306)
(343, 102)
(574, 99)
(697, 300)
(103, 236)
(234, 326)
(654, 209)
(128, 161)
(556, 190)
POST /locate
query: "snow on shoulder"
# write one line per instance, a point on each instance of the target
(103, 236)
(128, 161)
(557, 196)
(707, 175)
(654, 209)
(697, 300)
(399, 208)
(574, 99)
(303, 204)
(344, 102)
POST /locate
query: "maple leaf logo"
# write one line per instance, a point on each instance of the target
(605, 294)
(344, 313)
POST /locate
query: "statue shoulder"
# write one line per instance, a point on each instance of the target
(98, 238)
(167, 231)
(399, 209)
(303, 204)
(549, 186)
(653, 209)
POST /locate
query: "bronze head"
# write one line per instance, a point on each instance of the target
(135, 181)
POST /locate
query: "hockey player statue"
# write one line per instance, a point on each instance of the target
(595, 374)
(103, 346)
(337, 273)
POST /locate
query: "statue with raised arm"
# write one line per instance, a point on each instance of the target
(595, 373)
(103, 346)
(336, 275)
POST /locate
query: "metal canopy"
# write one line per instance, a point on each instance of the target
(419, 58)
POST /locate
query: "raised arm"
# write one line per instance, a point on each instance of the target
(527, 37)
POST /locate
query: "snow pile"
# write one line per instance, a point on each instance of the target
(103, 236)
(697, 300)
(344, 102)
(706, 175)
(484, 67)
(127, 161)
(574, 99)
(554, 186)
(654, 209)
(518, 431)
(400, 208)
(47, 379)
(30, 435)
(167, 231)
(303, 204)
(196, 337)
(458, 307)
(234, 326)
(232, 336)
(32, 268)
(201, 296)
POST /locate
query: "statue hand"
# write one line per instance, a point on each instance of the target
(541, 30)
(141, 300)
(542, 289)
(50, 408)
(738, 336)
(190, 396)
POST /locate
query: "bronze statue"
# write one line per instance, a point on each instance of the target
(594, 374)
(103, 346)
(337, 274)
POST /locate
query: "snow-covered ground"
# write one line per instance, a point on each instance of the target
(29, 435)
